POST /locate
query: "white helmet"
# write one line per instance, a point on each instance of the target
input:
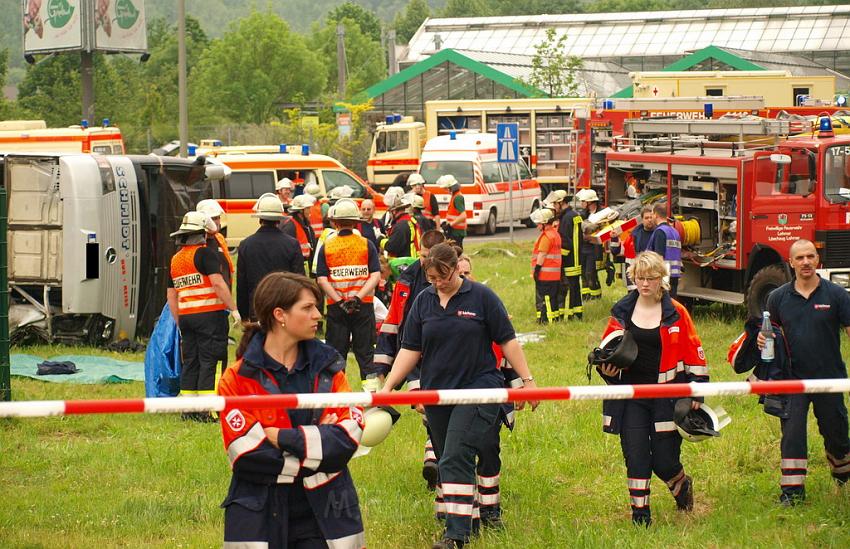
(555, 197)
(699, 424)
(415, 200)
(447, 181)
(301, 202)
(340, 192)
(268, 207)
(313, 189)
(393, 197)
(195, 222)
(415, 179)
(542, 215)
(284, 183)
(587, 195)
(345, 209)
(377, 426)
(210, 207)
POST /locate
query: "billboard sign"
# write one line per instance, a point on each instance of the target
(52, 25)
(104, 25)
(120, 26)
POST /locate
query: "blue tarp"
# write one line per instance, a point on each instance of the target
(162, 358)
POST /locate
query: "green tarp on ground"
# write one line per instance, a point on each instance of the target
(92, 369)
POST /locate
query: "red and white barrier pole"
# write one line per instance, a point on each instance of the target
(403, 398)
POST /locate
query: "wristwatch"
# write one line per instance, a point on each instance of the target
(527, 379)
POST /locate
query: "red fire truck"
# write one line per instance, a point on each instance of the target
(743, 194)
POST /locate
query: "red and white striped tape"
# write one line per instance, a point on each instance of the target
(455, 396)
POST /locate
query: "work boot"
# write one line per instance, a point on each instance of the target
(493, 522)
(447, 543)
(791, 499)
(685, 499)
(431, 474)
(642, 518)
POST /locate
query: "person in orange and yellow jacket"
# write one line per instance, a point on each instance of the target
(315, 214)
(290, 486)
(199, 298)
(668, 351)
(546, 266)
(216, 240)
(454, 225)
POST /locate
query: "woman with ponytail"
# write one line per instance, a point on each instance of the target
(290, 486)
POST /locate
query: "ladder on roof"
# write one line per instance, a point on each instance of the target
(741, 128)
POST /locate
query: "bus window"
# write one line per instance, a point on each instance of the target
(334, 179)
(524, 172)
(250, 184)
(299, 177)
(389, 141)
(490, 172)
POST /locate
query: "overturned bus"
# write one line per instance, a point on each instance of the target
(88, 241)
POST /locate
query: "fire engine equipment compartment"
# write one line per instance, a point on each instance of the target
(89, 250)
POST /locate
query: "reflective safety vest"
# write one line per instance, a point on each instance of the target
(571, 236)
(551, 269)
(672, 249)
(222, 243)
(316, 221)
(195, 293)
(426, 211)
(347, 257)
(460, 223)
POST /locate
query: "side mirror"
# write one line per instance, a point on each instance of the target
(781, 159)
(215, 172)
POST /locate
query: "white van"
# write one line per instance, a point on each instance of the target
(484, 182)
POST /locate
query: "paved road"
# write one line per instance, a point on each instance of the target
(521, 233)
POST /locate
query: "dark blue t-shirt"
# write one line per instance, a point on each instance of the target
(456, 342)
(812, 328)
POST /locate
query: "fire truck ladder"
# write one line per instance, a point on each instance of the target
(572, 150)
(678, 134)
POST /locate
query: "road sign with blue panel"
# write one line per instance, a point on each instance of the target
(507, 143)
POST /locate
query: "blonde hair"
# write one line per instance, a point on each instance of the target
(650, 265)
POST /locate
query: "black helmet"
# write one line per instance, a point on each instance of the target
(699, 424)
(617, 348)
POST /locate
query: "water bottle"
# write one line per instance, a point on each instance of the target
(371, 384)
(767, 352)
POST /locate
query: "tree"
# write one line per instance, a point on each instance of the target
(368, 22)
(406, 23)
(532, 7)
(552, 69)
(364, 57)
(466, 8)
(257, 65)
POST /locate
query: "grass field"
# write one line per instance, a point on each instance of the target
(156, 481)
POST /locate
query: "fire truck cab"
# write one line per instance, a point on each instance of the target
(495, 193)
(743, 193)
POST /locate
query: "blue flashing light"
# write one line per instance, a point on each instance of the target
(305, 149)
(282, 148)
(389, 119)
(452, 135)
(825, 128)
(608, 104)
(396, 118)
(708, 110)
(105, 122)
(84, 123)
(217, 143)
(191, 150)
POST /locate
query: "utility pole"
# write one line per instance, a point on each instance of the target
(340, 59)
(392, 62)
(183, 104)
(87, 84)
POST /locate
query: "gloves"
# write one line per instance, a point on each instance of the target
(610, 272)
(537, 269)
(351, 306)
(237, 318)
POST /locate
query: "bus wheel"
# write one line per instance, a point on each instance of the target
(490, 226)
(764, 282)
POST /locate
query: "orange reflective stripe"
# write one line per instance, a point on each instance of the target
(222, 243)
(426, 211)
(347, 258)
(316, 221)
(301, 235)
(195, 293)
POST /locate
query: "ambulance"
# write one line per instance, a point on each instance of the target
(256, 169)
(496, 194)
(35, 136)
